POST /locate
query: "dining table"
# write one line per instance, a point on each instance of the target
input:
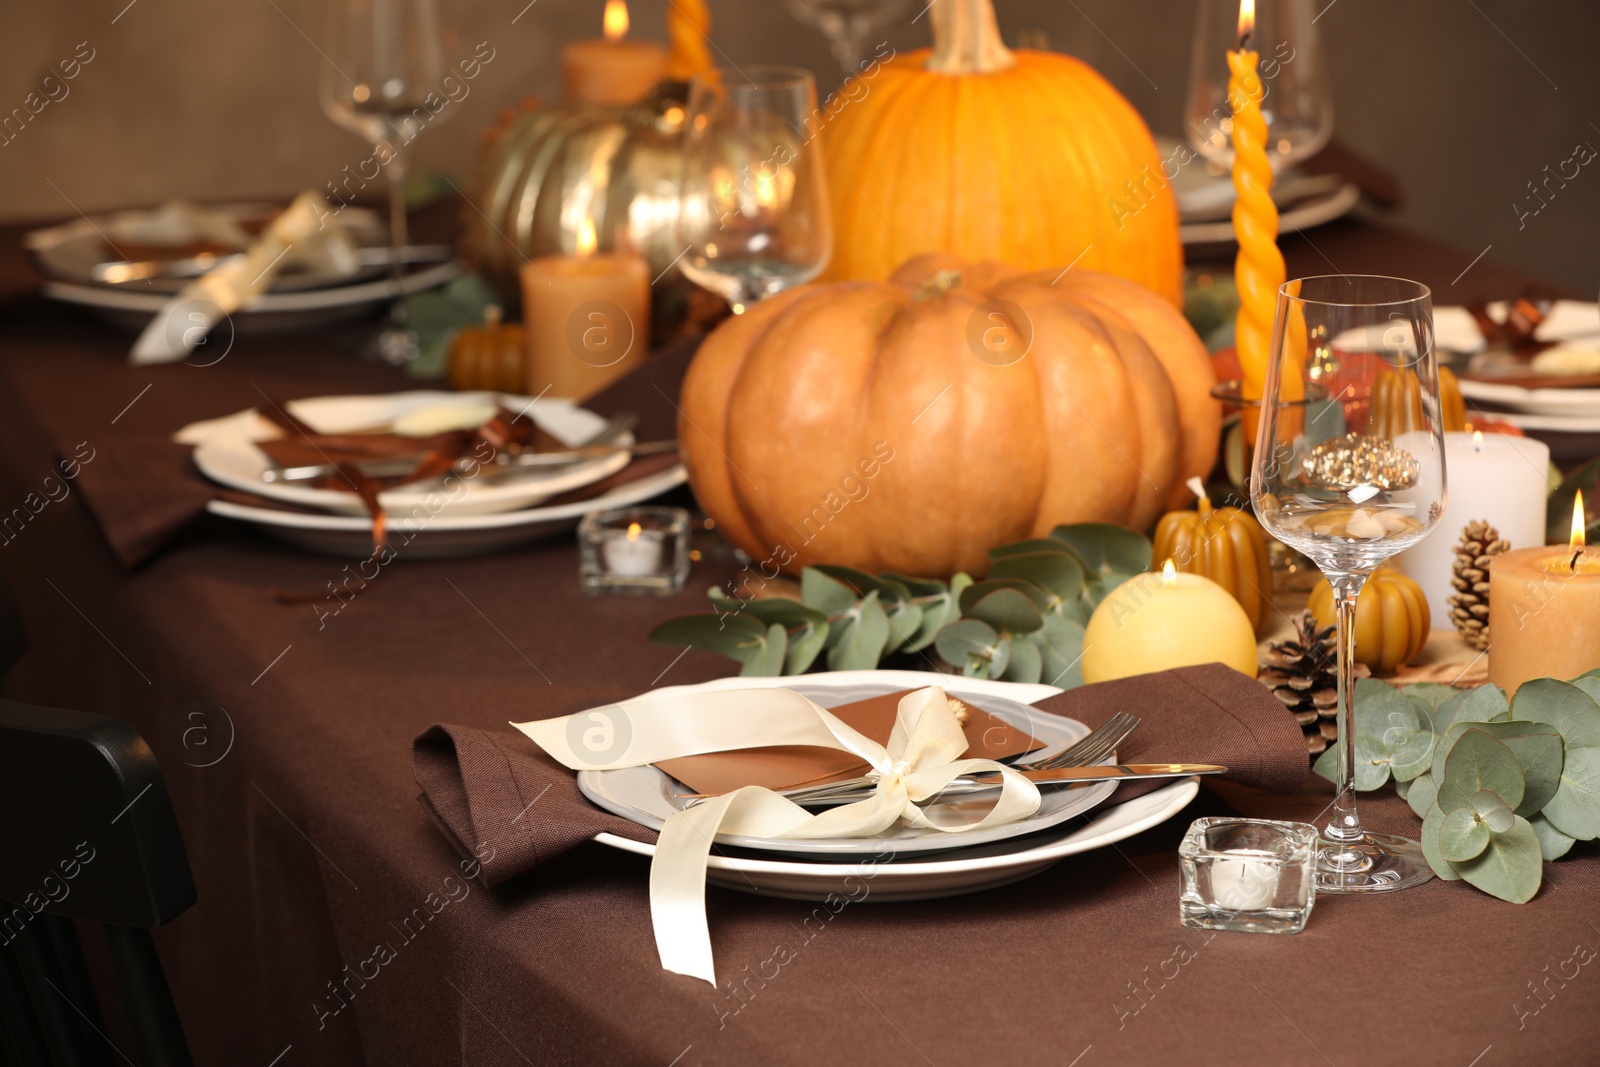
(285, 737)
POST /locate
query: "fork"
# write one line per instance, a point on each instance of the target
(1091, 749)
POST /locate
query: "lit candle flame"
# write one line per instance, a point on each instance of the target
(616, 20)
(1247, 21)
(1578, 522)
(586, 240)
(1477, 440)
(634, 530)
(1169, 574)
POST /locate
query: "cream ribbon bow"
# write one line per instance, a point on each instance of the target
(919, 760)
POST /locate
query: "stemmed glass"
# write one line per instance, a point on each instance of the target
(847, 24)
(1349, 491)
(754, 211)
(385, 66)
(1298, 106)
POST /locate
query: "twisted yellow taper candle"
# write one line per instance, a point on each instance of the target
(1258, 271)
(689, 31)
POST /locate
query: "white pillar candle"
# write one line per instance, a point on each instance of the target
(1494, 477)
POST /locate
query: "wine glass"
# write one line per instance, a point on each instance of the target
(385, 68)
(1298, 105)
(1349, 491)
(754, 212)
(847, 24)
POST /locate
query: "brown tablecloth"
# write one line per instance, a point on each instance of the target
(310, 851)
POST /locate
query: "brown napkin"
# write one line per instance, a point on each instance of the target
(495, 795)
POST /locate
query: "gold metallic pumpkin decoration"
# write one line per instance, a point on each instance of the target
(1226, 545)
(1392, 618)
(551, 168)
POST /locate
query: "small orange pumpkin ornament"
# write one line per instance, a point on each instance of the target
(492, 356)
(1392, 618)
(1226, 545)
(1397, 403)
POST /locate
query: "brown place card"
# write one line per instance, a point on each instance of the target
(787, 766)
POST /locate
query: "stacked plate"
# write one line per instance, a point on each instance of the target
(904, 863)
(426, 520)
(124, 265)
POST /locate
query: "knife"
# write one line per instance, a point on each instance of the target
(977, 783)
(504, 462)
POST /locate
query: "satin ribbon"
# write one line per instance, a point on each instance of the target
(920, 759)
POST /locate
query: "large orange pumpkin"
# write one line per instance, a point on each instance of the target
(912, 425)
(1030, 158)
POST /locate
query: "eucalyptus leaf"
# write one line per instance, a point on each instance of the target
(1575, 809)
(1494, 812)
(1530, 739)
(1098, 588)
(1462, 835)
(978, 590)
(1478, 761)
(937, 610)
(1401, 789)
(1553, 844)
(1007, 610)
(728, 635)
(1589, 683)
(1482, 704)
(767, 657)
(894, 596)
(1061, 646)
(1511, 867)
(863, 634)
(768, 610)
(1430, 844)
(1411, 754)
(805, 644)
(1327, 764)
(1382, 711)
(1037, 544)
(1372, 764)
(1431, 693)
(966, 642)
(1001, 660)
(1105, 548)
(1421, 794)
(1026, 661)
(1563, 705)
(827, 595)
(1058, 573)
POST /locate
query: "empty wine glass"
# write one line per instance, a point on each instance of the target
(848, 24)
(754, 213)
(1349, 490)
(384, 82)
(1298, 105)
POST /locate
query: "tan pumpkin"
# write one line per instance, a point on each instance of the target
(912, 425)
(492, 356)
(1226, 545)
(1025, 157)
(1392, 618)
(1397, 403)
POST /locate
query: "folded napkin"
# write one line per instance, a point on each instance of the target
(496, 796)
(144, 489)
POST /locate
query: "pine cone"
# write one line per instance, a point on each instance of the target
(1469, 604)
(1303, 673)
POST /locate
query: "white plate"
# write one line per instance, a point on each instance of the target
(947, 875)
(441, 536)
(1311, 213)
(278, 312)
(227, 455)
(1551, 423)
(645, 795)
(1534, 401)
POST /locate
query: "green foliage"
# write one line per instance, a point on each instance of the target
(1501, 786)
(1023, 623)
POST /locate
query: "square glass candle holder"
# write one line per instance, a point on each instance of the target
(1250, 875)
(641, 550)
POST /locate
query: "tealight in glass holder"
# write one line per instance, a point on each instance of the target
(640, 550)
(1252, 876)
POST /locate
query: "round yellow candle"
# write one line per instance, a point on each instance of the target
(613, 72)
(689, 31)
(1154, 622)
(1544, 611)
(1258, 270)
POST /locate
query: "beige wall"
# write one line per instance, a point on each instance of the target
(218, 99)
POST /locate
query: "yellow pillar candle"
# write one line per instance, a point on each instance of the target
(689, 32)
(613, 72)
(1154, 622)
(1544, 611)
(1258, 270)
(586, 318)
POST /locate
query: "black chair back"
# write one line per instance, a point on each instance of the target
(86, 832)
